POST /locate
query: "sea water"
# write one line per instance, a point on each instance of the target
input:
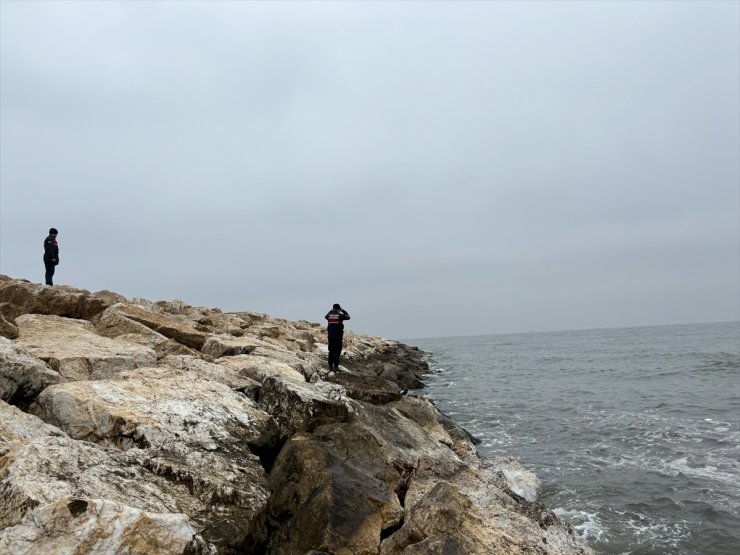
(633, 432)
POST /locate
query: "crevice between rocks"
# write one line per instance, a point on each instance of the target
(267, 454)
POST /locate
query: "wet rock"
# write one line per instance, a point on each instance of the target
(521, 481)
(72, 348)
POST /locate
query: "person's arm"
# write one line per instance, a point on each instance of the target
(345, 315)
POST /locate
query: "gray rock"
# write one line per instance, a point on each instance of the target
(72, 348)
(22, 376)
(299, 407)
(173, 326)
(83, 525)
(19, 297)
(7, 329)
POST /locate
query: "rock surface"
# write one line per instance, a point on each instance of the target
(159, 427)
(72, 348)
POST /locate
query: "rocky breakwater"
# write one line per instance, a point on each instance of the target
(130, 426)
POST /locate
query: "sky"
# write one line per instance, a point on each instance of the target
(438, 168)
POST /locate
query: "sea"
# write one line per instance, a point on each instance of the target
(633, 432)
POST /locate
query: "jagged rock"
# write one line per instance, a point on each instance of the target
(260, 368)
(474, 506)
(300, 406)
(23, 297)
(7, 329)
(235, 378)
(462, 441)
(72, 348)
(180, 329)
(158, 407)
(40, 465)
(520, 480)
(220, 323)
(225, 345)
(83, 525)
(370, 389)
(22, 376)
(18, 428)
(405, 441)
(326, 503)
(181, 452)
(401, 376)
(114, 324)
(192, 430)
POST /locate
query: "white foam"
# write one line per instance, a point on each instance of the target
(708, 471)
(587, 524)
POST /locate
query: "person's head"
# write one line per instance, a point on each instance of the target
(336, 306)
(53, 231)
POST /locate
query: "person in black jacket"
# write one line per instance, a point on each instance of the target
(335, 330)
(51, 255)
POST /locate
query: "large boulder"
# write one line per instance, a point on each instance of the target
(191, 430)
(7, 329)
(299, 407)
(72, 348)
(22, 376)
(115, 323)
(472, 507)
(327, 500)
(158, 407)
(91, 526)
(371, 389)
(23, 297)
(173, 326)
(259, 368)
(233, 377)
(41, 468)
(226, 345)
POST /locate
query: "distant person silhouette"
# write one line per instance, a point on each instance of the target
(335, 330)
(51, 255)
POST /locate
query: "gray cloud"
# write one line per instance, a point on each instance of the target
(439, 168)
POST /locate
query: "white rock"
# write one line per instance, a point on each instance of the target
(22, 376)
(72, 348)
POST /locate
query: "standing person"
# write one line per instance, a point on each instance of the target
(51, 254)
(335, 331)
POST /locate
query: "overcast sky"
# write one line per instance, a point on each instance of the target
(439, 168)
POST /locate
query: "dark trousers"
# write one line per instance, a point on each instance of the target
(335, 349)
(49, 272)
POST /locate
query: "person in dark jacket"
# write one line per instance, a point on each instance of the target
(51, 255)
(335, 330)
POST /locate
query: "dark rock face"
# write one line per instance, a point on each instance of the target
(371, 389)
(143, 427)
